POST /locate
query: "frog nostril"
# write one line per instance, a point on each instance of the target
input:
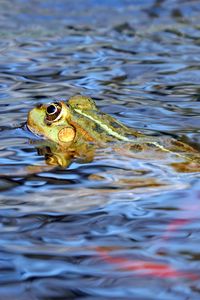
(51, 109)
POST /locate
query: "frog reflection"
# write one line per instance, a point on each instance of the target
(58, 156)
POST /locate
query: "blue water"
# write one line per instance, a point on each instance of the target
(107, 228)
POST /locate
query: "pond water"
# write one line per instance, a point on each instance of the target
(119, 227)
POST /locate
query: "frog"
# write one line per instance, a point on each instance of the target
(77, 119)
(77, 127)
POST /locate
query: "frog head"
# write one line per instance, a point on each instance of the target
(61, 122)
(52, 121)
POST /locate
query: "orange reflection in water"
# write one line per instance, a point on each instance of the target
(143, 267)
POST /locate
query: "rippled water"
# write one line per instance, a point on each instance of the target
(119, 227)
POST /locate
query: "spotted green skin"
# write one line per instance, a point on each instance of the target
(106, 128)
(100, 126)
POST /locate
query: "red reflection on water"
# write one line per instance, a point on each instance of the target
(189, 213)
(143, 267)
(174, 226)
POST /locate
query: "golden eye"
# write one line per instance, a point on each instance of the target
(53, 110)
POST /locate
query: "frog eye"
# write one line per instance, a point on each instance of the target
(53, 110)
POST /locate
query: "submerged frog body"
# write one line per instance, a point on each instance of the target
(77, 124)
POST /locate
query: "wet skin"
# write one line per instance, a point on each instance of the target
(76, 127)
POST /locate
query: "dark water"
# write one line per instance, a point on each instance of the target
(117, 227)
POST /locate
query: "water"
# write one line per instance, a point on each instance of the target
(117, 227)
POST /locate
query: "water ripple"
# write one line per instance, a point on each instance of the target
(82, 231)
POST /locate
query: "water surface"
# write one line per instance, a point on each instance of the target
(118, 227)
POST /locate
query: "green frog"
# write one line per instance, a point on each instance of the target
(77, 127)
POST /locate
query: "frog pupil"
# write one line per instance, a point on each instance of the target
(51, 109)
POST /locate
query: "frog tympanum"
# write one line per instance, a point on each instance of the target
(77, 127)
